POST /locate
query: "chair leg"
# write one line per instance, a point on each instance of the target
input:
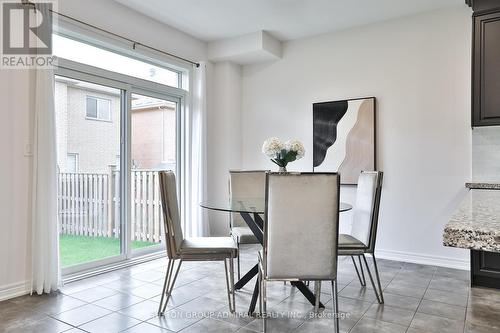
(264, 306)
(317, 295)
(381, 293)
(165, 284)
(335, 302)
(371, 279)
(361, 280)
(227, 285)
(231, 269)
(171, 283)
(260, 290)
(238, 259)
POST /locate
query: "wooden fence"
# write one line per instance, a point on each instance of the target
(89, 204)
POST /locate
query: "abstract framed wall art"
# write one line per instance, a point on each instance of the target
(344, 137)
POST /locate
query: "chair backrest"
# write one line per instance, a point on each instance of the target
(171, 217)
(246, 184)
(301, 226)
(365, 214)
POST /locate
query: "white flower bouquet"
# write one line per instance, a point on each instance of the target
(283, 153)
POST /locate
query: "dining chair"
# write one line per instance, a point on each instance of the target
(363, 236)
(182, 249)
(244, 184)
(300, 232)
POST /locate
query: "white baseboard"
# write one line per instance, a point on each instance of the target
(14, 290)
(423, 259)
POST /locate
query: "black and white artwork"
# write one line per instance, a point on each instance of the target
(344, 137)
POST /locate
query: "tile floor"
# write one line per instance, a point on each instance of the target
(418, 299)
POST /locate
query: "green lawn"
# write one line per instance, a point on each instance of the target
(79, 249)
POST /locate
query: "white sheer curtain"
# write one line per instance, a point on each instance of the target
(195, 218)
(45, 243)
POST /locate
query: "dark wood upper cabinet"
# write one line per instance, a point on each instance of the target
(486, 63)
(483, 5)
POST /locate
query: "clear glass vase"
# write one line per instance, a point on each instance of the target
(282, 169)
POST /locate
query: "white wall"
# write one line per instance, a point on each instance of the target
(17, 95)
(418, 67)
(15, 237)
(224, 138)
(117, 18)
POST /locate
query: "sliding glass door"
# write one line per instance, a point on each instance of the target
(112, 140)
(119, 122)
(88, 123)
(153, 148)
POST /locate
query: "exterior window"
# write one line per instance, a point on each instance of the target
(72, 163)
(94, 56)
(98, 108)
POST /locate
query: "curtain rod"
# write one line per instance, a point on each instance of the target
(134, 43)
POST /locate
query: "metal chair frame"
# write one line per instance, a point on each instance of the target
(370, 249)
(173, 255)
(231, 220)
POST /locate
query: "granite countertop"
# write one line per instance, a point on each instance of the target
(476, 223)
(483, 185)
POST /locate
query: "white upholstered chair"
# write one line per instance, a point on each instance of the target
(190, 249)
(300, 232)
(245, 184)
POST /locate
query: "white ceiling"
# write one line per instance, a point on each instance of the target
(211, 20)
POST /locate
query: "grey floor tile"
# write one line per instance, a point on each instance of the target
(484, 311)
(489, 294)
(175, 320)
(276, 325)
(111, 323)
(405, 289)
(146, 328)
(93, 294)
(403, 302)
(209, 325)
(362, 293)
(352, 307)
(147, 290)
(320, 326)
(14, 315)
(474, 328)
(390, 314)
(324, 323)
(453, 273)
(148, 276)
(82, 315)
(48, 303)
(239, 318)
(377, 326)
(418, 268)
(456, 297)
(73, 287)
(118, 301)
(47, 325)
(142, 311)
(125, 284)
(246, 330)
(413, 279)
(442, 309)
(204, 303)
(434, 324)
(448, 284)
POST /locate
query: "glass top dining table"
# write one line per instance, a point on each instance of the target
(250, 210)
(249, 205)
